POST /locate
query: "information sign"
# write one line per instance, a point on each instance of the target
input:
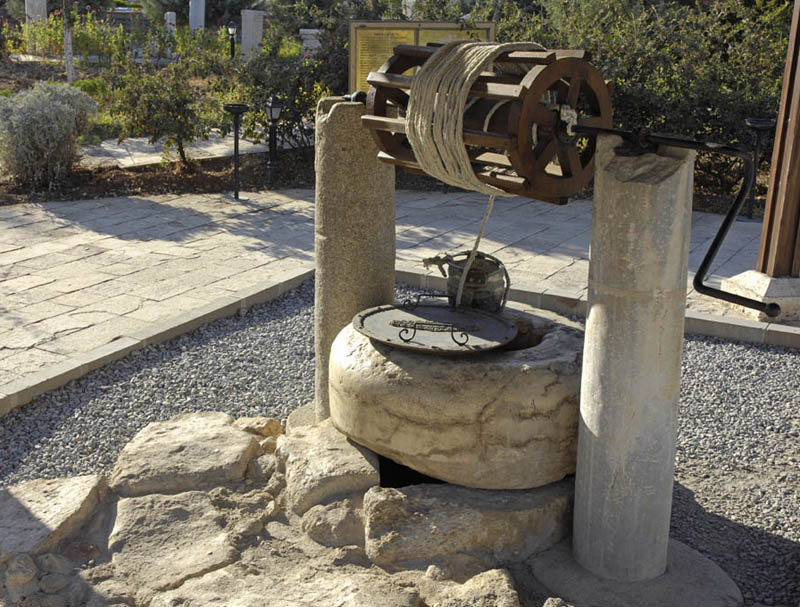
(373, 42)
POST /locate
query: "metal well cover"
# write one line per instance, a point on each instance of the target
(435, 328)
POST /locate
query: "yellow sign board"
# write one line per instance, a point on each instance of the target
(373, 42)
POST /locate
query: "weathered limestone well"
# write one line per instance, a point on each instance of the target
(500, 420)
(632, 361)
(354, 226)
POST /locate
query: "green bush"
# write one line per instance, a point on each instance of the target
(39, 129)
(96, 88)
(162, 105)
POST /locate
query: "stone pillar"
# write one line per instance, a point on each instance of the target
(252, 30)
(35, 10)
(197, 14)
(354, 230)
(632, 361)
(311, 43)
(171, 21)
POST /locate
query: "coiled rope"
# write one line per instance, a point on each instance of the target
(435, 118)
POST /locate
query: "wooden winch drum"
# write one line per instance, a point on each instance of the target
(516, 122)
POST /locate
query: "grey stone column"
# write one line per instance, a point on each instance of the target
(197, 14)
(632, 361)
(354, 230)
(252, 30)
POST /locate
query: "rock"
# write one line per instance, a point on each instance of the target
(416, 526)
(300, 418)
(492, 588)
(39, 599)
(55, 563)
(260, 426)
(190, 451)
(20, 570)
(321, 464)
(37, 515)
(503, 420)
(54, 582)
(20, 578)
(556, 602)
(276, 484)
(77, 593)
(160, 541)
(269, 444)
(308, 586)
(260, 469)
(336, 524)
(351, 555)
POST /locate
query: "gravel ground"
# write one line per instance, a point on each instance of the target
(737, 490)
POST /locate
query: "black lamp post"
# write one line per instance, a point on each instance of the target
(236, 109)
(274, 106)
(232, 36)
(761, 126)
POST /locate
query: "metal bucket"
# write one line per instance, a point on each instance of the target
(487, 284)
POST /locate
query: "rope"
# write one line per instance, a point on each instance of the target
(462, 281)
(435, 119)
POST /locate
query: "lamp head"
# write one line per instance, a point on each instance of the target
(274, 106)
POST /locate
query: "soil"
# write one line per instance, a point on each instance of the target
(19, 75)
(295, 170)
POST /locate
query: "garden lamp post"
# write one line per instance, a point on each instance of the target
(236, 109)
(274, 106)
(232, 36)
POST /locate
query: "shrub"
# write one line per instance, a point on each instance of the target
(96, 88)
(162, 106)
(39, 128)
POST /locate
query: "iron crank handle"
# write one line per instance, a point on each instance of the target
(770, 309)
(641, 142)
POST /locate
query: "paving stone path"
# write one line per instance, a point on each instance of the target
(77, 276)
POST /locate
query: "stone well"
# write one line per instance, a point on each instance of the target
(505, 419)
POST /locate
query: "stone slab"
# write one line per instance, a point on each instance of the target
(450, 526)
(160, 541)
(190, 451)
(36, 515)
(691, 580)
(783, 291)
(320, 464)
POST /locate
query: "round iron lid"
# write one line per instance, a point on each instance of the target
(435, 328)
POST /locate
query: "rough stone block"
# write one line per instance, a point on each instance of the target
(320, 464)
(420, 525)
(160, 541)
(189, 451)
(36, 515)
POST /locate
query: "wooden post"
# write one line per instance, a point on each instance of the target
(780, 237)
